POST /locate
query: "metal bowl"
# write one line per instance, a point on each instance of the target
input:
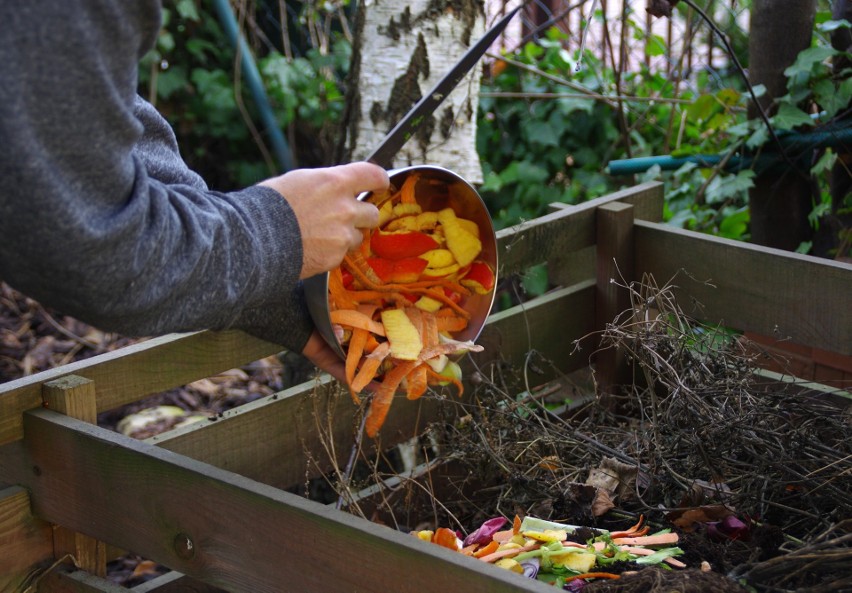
(437, 188)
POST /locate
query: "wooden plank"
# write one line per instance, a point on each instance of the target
(280, 439)
(175, 582)
(615, 268)
(76, 581)
(224, 529)
(751, 288)
(573, 267)
(26, 543)
(75, 396)
(130, 373)
(547, 327)
(549, 237)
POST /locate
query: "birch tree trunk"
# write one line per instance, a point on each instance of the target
(402, 50)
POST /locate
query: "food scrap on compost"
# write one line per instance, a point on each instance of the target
(397, 302)
(560, 554)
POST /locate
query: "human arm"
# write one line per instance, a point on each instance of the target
(98, 215)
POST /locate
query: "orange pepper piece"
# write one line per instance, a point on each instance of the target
(339, 295)
(593, 575)
(416, 382)
(353, 357)
(486, 549)
(446, 538)
(451, 324)
(406, 193)
(356, 319)
(383, 398)
(370, 366)
(365, 274)
(400, 245)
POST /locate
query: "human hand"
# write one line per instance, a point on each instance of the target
(324, 357)
(329, 216)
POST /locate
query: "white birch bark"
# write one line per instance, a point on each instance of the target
(409, 46)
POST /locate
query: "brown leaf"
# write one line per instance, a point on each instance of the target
(617, 478)
(602, 503)
(688, 519)
(661, 7)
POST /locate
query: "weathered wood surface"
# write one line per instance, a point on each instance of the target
(269, 440)
(130, 373)
(26, 542)
(62, 580)
(225, 529)
(614, 266)
(75, 396)
(554, 236)
(752, 288)
(175, 582)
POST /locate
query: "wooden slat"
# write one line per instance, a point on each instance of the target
(74, 396)
(268, 439)
(130, 373)
(25, 542)
(549, 237)
(224, 529)
(768, 291)
(76, 581)
(615, 268)
(175, 582)
(572, 267)
(547, 325)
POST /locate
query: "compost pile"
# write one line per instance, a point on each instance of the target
(754, 475)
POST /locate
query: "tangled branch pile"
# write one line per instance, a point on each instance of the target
(754, 474)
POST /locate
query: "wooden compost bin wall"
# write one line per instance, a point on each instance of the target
(206, 500)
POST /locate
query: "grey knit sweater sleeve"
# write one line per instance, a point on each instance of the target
(99, 216)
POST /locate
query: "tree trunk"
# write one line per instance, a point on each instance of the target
(780, 201)
(402, 50)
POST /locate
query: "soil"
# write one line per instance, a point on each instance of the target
(652, 580)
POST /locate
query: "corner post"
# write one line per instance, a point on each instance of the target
(615, 265)
(75, 396)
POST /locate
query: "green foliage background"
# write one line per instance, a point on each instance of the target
(550, 140)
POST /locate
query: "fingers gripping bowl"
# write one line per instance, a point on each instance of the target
(414, 297)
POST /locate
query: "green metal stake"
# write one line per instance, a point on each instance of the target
(252, 76)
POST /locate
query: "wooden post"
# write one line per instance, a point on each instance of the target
(74, 396)
(25, 541)
(615, 267)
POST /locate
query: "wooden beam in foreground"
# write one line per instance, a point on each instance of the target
(130, 373)
(222, 528)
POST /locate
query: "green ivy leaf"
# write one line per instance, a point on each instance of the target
(655, 46)
(825, 163)
(535, 280)
(530, 173)
(724, 187)
(806, 60)
(171, 80)
(789, 117)
(735, 225)
(833, 98)
(729, 97)
(491, 182)
(188, 10)
(702, 108)
(542, 133)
